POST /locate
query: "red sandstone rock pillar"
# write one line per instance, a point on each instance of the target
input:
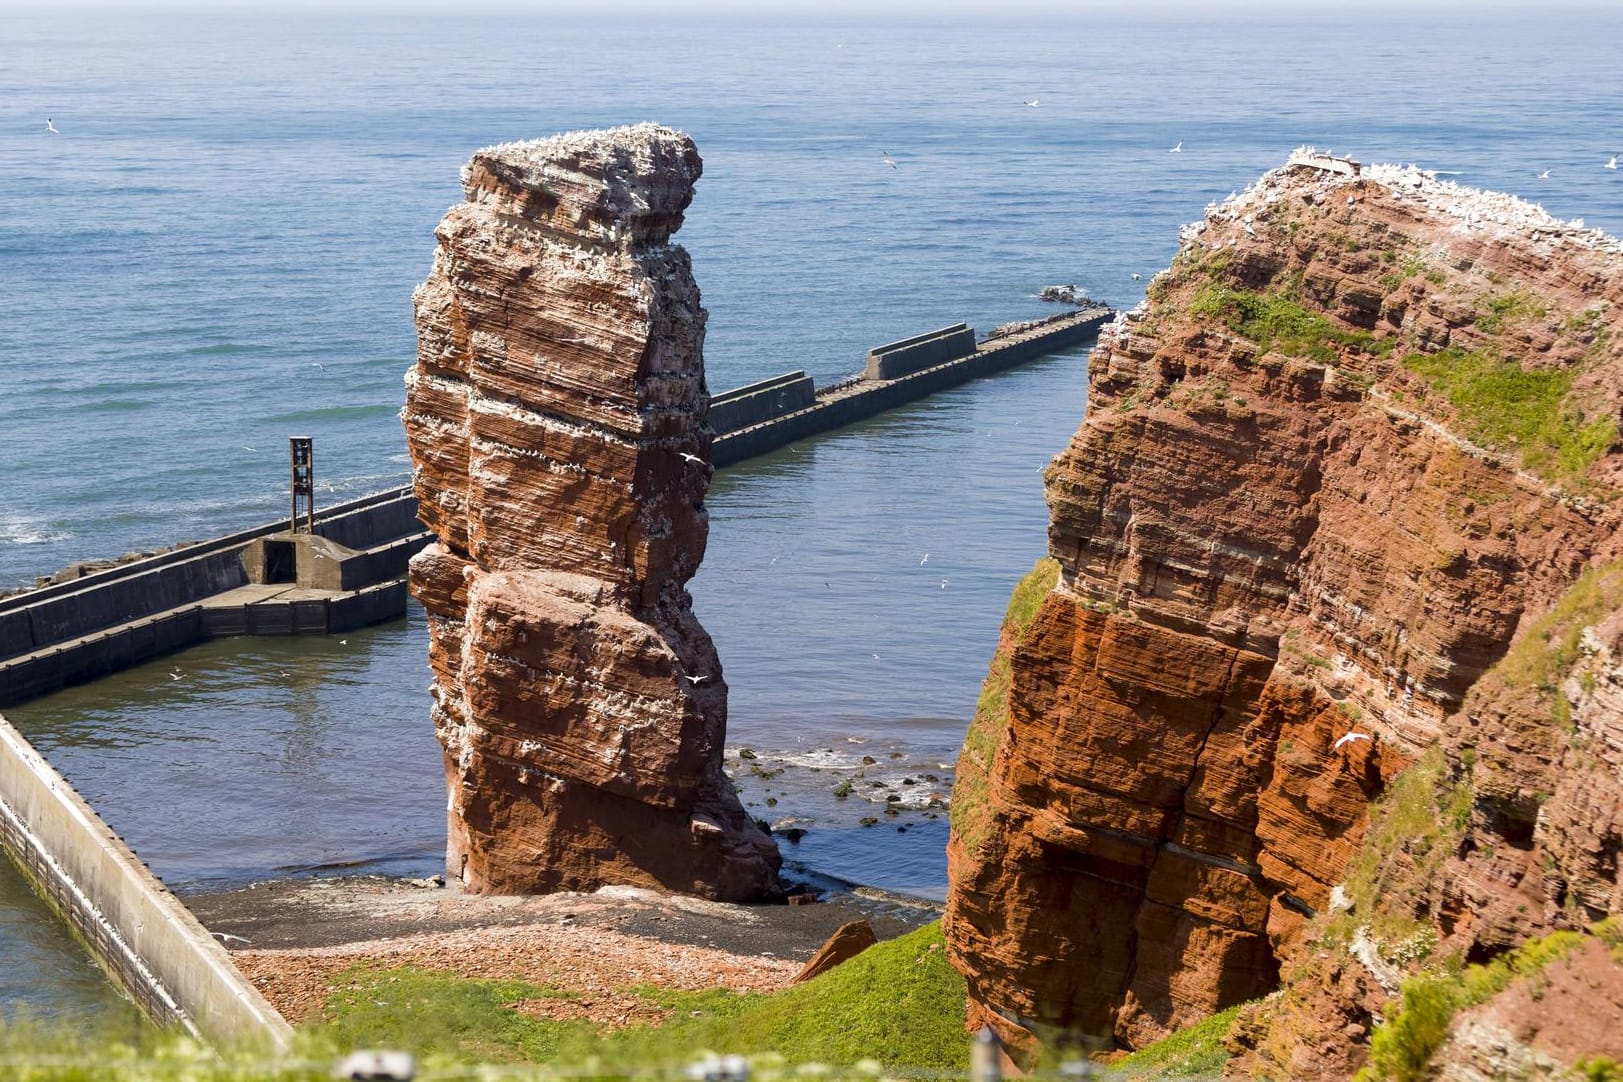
(556, 421)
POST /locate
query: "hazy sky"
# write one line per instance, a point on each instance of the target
(946, 8)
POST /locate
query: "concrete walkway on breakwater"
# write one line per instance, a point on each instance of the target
(141, 934)
(350, 570)
(917, 367)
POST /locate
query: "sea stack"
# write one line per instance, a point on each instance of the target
(556, 422)
(1320, 685)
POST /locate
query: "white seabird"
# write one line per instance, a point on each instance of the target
(51, 128)
(1348, 738)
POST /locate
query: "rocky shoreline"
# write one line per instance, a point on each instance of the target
(292, 937)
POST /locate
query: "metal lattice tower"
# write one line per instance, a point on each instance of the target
(301, 467)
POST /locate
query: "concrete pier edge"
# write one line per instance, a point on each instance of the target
(133, 926)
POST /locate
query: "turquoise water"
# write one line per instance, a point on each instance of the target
(236, 200)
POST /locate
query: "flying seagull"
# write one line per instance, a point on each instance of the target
(691, 458)
(1348, 738)
(227, 937)
(1611, 163)
(1032, 103)
(318, 364)
(1137, 277)
(885, 154)
(1544, 175)
(174, 674)
(694, 680)
(51, 128)
(1177, 149)
(926, 557)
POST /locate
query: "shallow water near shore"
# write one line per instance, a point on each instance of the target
(219, 250)
(242, 759)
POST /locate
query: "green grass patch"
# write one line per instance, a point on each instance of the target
(1544, 656)
(434, 1014)
(969, 811)
(1508, 407)
(1508, 308)
(1401, 1049)
(1599, 1069)
(1196, 1052)
(1277, 321)
(1413, 827)
(899, 1004)
(44, 1052)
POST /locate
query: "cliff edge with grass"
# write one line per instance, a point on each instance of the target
(1321, 687)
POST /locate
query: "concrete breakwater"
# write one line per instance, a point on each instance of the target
(348, 572)
(776, 412)
(140, 933)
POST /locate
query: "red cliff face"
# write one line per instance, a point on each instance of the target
(1335, 477)
(555, 418)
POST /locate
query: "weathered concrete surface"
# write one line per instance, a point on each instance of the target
(128, 613)
(556, 424)
(863, 398)
(136, 929)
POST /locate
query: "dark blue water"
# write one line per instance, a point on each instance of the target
(234, 200)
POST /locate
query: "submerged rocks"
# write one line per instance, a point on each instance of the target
(555, 419)
(1065, 294)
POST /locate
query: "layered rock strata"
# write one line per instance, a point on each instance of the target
(556, 421)
(1340, 480)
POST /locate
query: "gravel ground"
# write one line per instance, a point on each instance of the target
(291, 937)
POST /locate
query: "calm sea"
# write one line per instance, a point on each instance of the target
(219, 248)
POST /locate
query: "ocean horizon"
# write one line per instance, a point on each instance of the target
(217, 250)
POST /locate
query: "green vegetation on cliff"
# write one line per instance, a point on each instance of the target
(1544, 656)
(1195, 1052)
(969, 809)
(1402, 1047)
(1530, 411)
(1413, 828)
(1277, 321)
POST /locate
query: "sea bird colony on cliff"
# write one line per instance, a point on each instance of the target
(1327, 699)
(554, 417)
